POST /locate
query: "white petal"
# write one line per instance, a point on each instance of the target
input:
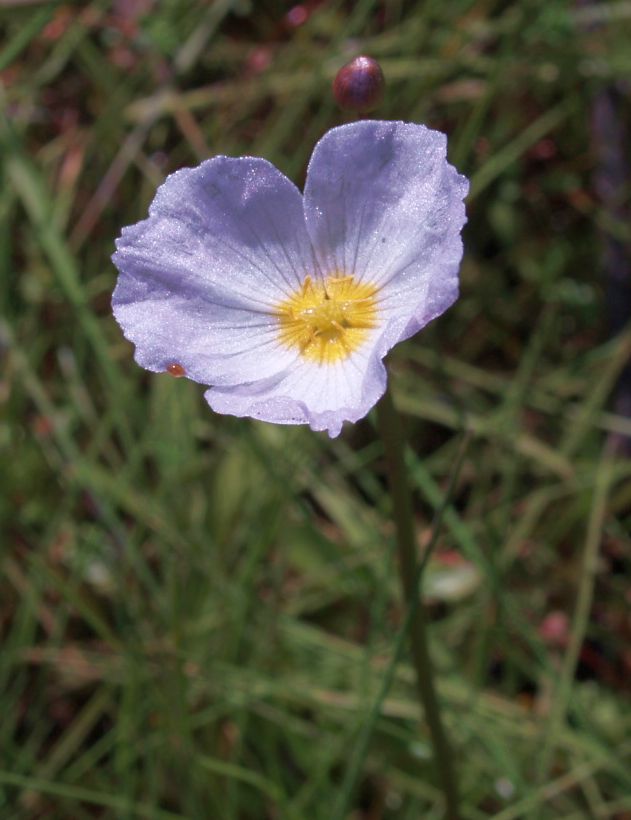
(201, 278)
(323, 396)
(382, 204)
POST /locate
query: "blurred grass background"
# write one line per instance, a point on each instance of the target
(197, 612)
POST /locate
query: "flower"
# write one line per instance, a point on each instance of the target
(286, 304)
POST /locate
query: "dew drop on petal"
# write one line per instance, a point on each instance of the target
(176, 370)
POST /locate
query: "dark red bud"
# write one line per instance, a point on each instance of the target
(359, 85)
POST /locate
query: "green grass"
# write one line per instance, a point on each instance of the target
(197, 612)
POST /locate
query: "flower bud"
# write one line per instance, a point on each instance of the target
(359, 85)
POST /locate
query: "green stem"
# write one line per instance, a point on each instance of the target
(583, 606)
(392, 438)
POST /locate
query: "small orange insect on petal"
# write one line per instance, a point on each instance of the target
(176, 370)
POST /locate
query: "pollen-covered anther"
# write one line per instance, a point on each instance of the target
(328, 319)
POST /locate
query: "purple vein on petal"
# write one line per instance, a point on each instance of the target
(292, 285)
(247, 259)
(360, 231)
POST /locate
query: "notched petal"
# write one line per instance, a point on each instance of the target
(201, 277)
(383, 204)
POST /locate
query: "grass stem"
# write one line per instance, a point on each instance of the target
(393, 442)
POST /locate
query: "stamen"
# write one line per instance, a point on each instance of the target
(328, 319)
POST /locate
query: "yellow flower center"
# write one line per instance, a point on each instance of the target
(328, 319)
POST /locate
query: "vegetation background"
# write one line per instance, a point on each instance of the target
(198, 612)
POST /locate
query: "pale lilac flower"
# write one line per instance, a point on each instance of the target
(286, 304)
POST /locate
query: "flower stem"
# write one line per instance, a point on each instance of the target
(392, 438)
